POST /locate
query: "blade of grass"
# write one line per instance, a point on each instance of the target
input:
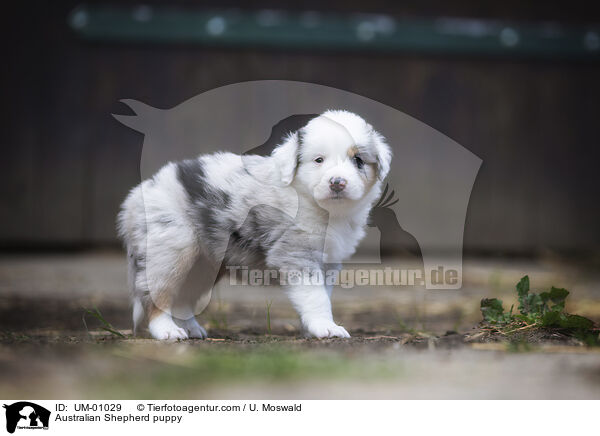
(106, 326)
(269, 303)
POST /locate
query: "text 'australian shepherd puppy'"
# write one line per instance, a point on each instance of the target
(304, 207)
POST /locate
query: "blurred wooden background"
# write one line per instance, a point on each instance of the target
(67, 164)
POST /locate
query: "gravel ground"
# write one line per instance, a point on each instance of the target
(407, 343)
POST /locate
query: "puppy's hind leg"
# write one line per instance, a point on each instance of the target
(167, 267)
(194, 296)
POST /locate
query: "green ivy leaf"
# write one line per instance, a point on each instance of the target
(522, 291)
(575, 322)
(523, 286)
(535, 304)
(558, 297)
(492, 310)
(551, 319)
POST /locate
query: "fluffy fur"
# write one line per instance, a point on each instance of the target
(304, 206)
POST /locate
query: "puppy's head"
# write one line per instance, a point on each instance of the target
(337, 158)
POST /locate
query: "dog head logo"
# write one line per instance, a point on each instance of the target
(26, 415)
(423, 207)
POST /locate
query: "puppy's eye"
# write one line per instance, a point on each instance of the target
(359, 162)
(319, 160)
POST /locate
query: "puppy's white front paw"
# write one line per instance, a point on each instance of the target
(325, 329)
(163, 328)
(194, 330)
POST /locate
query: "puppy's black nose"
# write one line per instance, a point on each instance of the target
(337, 184)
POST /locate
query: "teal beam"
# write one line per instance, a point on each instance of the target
(313, 30)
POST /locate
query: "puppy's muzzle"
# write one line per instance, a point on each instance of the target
(337, 184)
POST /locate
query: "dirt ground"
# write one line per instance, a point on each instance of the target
(406, 343)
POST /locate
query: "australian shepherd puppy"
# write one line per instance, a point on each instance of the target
(302, 208)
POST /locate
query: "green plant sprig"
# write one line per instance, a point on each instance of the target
(543, 311)
(106, 326)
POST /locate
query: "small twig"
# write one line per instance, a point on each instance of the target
(520, 328)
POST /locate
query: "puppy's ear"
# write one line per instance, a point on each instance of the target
(286, 158)
(384, 155)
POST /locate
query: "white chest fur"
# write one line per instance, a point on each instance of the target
(341, 240)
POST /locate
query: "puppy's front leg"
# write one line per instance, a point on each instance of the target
(314, 307)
